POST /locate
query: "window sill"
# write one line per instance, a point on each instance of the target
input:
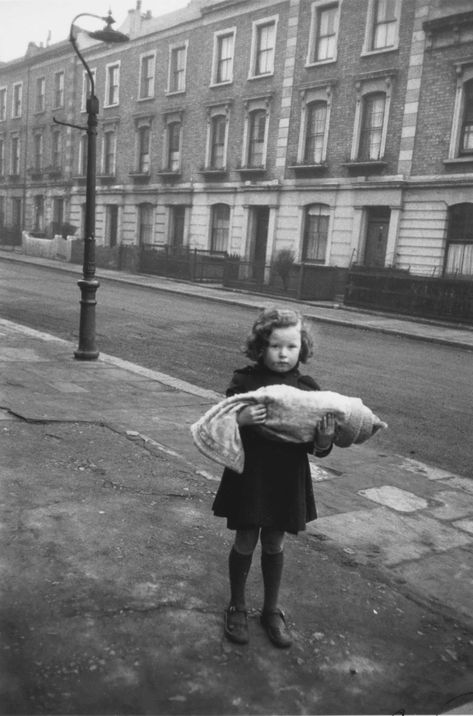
(226, 83)
(172, 93)
(261, 77)
(252, 171)
(381, 51)
(318, 63)
(107, 178)
(169, 174)
(146, 99)
(459, 160)
(365, 167)
(79, 180)
(211, 172)
(140, 177)
(303, 168)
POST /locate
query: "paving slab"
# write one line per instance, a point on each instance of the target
(398, 537)
(447, 577)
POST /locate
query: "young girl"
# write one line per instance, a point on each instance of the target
(274, 494)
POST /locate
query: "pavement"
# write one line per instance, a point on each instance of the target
(114, 569)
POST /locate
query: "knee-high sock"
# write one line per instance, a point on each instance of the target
(238, 567)
(271, 566)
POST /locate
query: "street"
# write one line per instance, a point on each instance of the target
(422, 390)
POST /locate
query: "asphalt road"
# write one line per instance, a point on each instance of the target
(422, 390)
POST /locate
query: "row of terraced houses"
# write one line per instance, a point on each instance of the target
(340, 130)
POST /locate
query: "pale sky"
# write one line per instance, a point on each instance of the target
(22, 21)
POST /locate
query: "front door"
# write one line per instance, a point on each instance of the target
(377, 236)
(260, 241)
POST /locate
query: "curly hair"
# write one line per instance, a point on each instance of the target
(267, 321)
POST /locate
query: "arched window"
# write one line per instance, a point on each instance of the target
(220, 227)
(316, 223)
(466, 138)
(256, 137)
(372, 122)
(315, 132)
(459, 252)
(173, 146)
(144, 138)
(217, 141)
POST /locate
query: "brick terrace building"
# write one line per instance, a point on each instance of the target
(340, 130)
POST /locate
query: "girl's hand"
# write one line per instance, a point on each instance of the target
(325, 434)
(252, 415)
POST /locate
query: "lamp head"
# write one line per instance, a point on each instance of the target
(108, 34)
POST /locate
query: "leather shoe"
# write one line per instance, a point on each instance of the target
(235, 624)
(274, 623)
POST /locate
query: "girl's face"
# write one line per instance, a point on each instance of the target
(283, 349)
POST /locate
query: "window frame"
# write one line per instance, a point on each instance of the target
(322, 94)
(2, 156)
(368, 48)
(317, 9)
(252, 105)
(371, 132)
(38, 151)
(3, 103)
(82, 155)
(464, 76)
(214, 113)
(255, 52)
(17, 100)
(149, 79)
(305, 238)
(40, 95)
(217, 59)
(57, 142)
(465, 243)
(382, 85)
(112, 89)
(174, 48)
(86, 87)
(108, 170)
(141, 208)
(214, 229)
(59, 89)
(172, 164)
(15, 156)
(143, 158)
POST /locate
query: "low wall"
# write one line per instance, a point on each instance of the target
(56, 248)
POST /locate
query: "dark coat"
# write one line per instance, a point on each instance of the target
(275, 488)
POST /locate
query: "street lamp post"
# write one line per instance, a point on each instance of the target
(88, 285)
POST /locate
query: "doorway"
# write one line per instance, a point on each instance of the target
(177, 227)
(377, 229)
(111, 225)
(260, 223)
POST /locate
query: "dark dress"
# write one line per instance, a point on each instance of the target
(275, 488)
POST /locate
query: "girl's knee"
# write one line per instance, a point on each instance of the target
(246, 540)
(272, 541)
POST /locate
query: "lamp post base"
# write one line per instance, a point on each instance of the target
(87, 349)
